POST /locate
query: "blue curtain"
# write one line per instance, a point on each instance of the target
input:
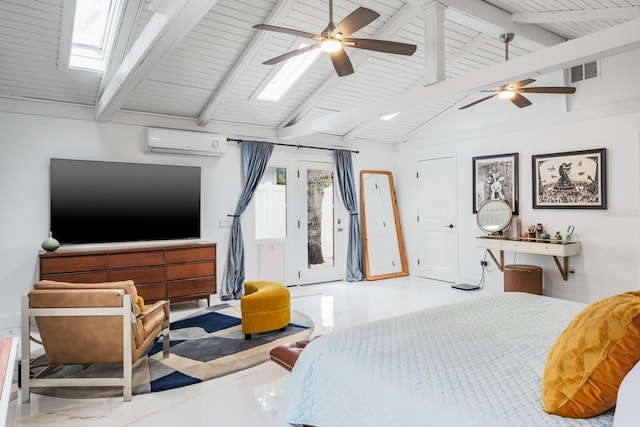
(255, 156)
(347, 187)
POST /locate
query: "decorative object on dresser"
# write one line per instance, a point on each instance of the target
(50, 244)
(493, 217)
(179, 272)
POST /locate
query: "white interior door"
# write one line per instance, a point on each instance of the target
(438, 251)
(321, 224)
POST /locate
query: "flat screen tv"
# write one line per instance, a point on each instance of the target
(102, 202)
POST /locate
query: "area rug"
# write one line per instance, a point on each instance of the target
(205, 345)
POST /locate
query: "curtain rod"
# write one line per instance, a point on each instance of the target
(239, 141)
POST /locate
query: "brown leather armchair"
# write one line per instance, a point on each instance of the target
(87, 323)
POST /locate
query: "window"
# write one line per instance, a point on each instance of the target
(271, 204)
(93, 33)
(290, 72)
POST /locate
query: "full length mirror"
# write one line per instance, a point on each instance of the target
(384, 254)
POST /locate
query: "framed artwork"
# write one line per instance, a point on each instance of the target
(571, 180)
(495, 178)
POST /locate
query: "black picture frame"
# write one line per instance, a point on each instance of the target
(495, 177)
(570, 180)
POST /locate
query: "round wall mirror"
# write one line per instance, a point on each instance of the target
(494, 216)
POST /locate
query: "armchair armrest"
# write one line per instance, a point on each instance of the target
(153, 308)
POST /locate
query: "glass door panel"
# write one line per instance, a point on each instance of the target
(319, 225)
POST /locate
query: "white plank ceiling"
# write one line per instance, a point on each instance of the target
(205, 67)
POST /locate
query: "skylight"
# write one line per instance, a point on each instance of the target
(91, 33)
(290, 72)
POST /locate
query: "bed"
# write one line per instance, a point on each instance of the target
(473, 363)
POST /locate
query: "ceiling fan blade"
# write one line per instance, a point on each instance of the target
(287, 31)
(518, 84)
(381, 46)
(478, 101)
(291, 54)
(520, 100)
(551, 89)
(359, 18)
(341, 63)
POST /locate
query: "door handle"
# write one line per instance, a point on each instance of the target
(449, 226)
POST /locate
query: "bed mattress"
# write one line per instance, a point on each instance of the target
(473, 363)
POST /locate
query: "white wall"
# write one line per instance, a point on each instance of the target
(610, 238)
(29, 142)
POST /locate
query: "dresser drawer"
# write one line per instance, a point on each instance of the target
(72, 263)
(189, 270)
(152, 291)
(138, 275)
(180, 288)
(136, 259)
(88, 277)
(516, 246)
(191, 254)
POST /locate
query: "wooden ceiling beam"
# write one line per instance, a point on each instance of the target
(611, 41)
(433, 59)
(623, 12)
(485, 18)
(280, 10)
(165, 30)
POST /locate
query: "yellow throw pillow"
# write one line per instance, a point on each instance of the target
(591, 357)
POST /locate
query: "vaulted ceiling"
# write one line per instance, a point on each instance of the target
(198, 63)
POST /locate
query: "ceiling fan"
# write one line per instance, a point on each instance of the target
(513, 91)
(334, 38)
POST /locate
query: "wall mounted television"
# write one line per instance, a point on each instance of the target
(104, 202)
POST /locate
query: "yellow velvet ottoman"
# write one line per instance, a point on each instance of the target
(265, 306)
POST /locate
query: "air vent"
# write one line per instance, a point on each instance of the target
(584, 71)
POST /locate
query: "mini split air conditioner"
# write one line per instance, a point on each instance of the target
(185, 143)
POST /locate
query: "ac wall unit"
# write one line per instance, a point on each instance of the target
(186, 143)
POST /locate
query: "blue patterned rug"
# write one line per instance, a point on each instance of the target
(205, 345)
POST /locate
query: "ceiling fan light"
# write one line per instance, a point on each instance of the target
(330, 45)
(507, 94)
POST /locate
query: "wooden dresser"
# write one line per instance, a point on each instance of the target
(180, 272)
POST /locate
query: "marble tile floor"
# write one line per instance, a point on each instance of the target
(249, 397)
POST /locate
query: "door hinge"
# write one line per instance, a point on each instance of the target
(418, 218)
(418, 261)
(298, 174)
(298, 274)
(298, 223)
(418, 175)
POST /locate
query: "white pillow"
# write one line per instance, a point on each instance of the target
(627, 408)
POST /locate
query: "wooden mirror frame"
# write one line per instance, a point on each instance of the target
(403, 269)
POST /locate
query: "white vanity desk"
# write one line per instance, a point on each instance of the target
(564, 250)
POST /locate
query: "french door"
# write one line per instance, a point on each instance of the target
(320, 236)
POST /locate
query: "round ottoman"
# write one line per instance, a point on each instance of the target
(523, 278)
(265, 306)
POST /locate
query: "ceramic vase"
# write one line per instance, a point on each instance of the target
(50, 244)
